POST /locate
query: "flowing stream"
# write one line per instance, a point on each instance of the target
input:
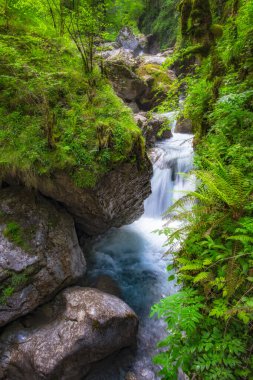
(134, 255)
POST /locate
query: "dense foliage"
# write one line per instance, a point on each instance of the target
(210, 320)
(57, 111)
(160, 17)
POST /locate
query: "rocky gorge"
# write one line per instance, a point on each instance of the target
(126, 190)
(50, 329)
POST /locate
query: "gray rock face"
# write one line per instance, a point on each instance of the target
(116, 200)
(120, 68)
(133, 107)
(62, 339)
(141, 119)
(148, 44)
(39, 252)
(127, 39)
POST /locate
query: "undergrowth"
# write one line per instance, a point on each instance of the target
(210, 320)
(49, 119)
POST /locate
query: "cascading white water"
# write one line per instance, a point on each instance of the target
(134, 255)
(170, 158)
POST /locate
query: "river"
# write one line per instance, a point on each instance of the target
(135, 256)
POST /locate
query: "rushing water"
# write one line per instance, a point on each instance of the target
(134, 255)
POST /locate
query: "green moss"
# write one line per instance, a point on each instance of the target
(185, 8)
(196, 21)
(17, 233)
(219, 101)
(161, 80)
(217, 30)
(14, 282)
(14, 232)
(6, 293)
(163, 130)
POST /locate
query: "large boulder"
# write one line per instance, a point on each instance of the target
(138, 80)
(39, 252)
(62, 339)
(120, 68)
(158, 81)
(116, 200)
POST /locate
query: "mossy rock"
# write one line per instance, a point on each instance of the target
(160, 76)
(217, 30)
(158, 81)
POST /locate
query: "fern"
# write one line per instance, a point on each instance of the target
(216, 241)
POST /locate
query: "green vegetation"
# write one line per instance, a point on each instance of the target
(57, 111)
(12, 284)
(160, 17)
(210, 319)
(14, 232)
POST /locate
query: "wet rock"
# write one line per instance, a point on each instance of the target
(166, 134)
(116, 200)
(141, 119)
(148, 44)
(80, 327)
(153, 59)
(184, 126)
(123, 56)
(40, 253)
(152, 44)
(107, 285)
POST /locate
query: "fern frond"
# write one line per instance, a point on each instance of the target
(202, 276)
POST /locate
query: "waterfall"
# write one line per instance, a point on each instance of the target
(134, 255)
(170, 158)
